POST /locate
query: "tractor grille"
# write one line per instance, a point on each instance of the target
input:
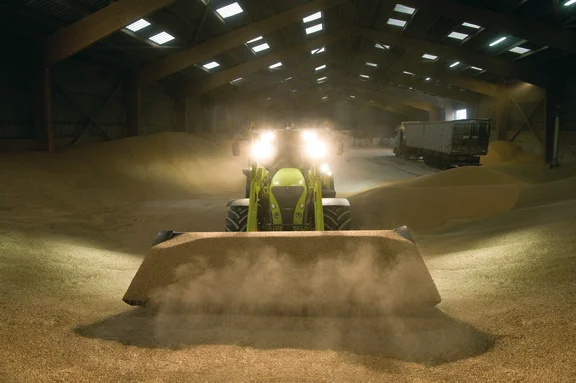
(287, 198)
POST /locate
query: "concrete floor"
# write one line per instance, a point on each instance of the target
(502, 318)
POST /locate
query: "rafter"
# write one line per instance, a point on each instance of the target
(532, 30)
(506, 68)
(224, 77)
(96, 26)
(206, 50)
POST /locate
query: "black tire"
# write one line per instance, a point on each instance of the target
(237, 219)
(337, 218)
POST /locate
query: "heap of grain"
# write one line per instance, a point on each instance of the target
(435, 201)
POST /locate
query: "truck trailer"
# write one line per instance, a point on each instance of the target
(444, 144)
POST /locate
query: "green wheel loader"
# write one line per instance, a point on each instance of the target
(288, 248)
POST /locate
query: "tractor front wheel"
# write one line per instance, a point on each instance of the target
(337, 218)
(237, 219)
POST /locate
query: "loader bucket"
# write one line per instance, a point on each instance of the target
(285, 273)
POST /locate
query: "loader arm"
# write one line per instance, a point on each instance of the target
(316, 193)
(257, 176)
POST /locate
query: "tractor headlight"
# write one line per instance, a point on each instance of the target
(316, 149)
(267, 136)
(262, 150)
(308, 135)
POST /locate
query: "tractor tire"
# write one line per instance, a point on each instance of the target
(337, 218)
(237, 219)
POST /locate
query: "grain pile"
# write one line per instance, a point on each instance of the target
(505, 152)
(505, 270)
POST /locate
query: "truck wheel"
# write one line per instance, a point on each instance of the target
(237, 219)
(337, 218)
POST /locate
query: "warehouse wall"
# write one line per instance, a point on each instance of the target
(76, 87)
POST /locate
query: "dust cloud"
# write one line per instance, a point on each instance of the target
(269, 281)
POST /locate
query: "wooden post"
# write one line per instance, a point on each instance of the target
(43, 110)
(131, 93)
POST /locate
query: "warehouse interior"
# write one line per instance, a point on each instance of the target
(116, 121)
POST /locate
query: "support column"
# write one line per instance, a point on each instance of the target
(181, 110)
(43, 111)
(554, 98)
(131, 93)
(435, 113)
(502, 116)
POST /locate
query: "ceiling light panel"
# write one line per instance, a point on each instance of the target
(162, 38)
(211, 65)
(254, 40)
(476, 68)
(404, 9)
(380, 46)
(519, 50)
(428, 56)
(137, 25)
(235, 81)
(229, 10)
(320, 67)
(274, 66)
(396, 22)
(261, 47)
(312, 17)
(470, 25)
(408, 73)
(316, 51)
(374, 65)
(364, 76)
(496, 42)
(315, 28)
(324, 98)
(457, 35)
(455, 64)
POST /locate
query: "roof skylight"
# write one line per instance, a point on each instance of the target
(320, 67)
(274, 66)
(454, 64)
(315, 28)
(254, 40)
(497, 41)
(396, 22)
(428, 56)
(470, 25)
(316, 51)
(404, 9)
(261, 47)
(211, 65)
(458, 35)
(229, 10)
(380, 46)
(374, 65)
(519, 50)
(162, 38)
(137, 25)
(312, 17)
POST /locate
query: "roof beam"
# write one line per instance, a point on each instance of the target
(96, 26)
(225, 76)
(532, 30)
(206, 50)
(502, 67)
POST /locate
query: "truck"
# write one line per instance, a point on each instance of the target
(444, 144)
